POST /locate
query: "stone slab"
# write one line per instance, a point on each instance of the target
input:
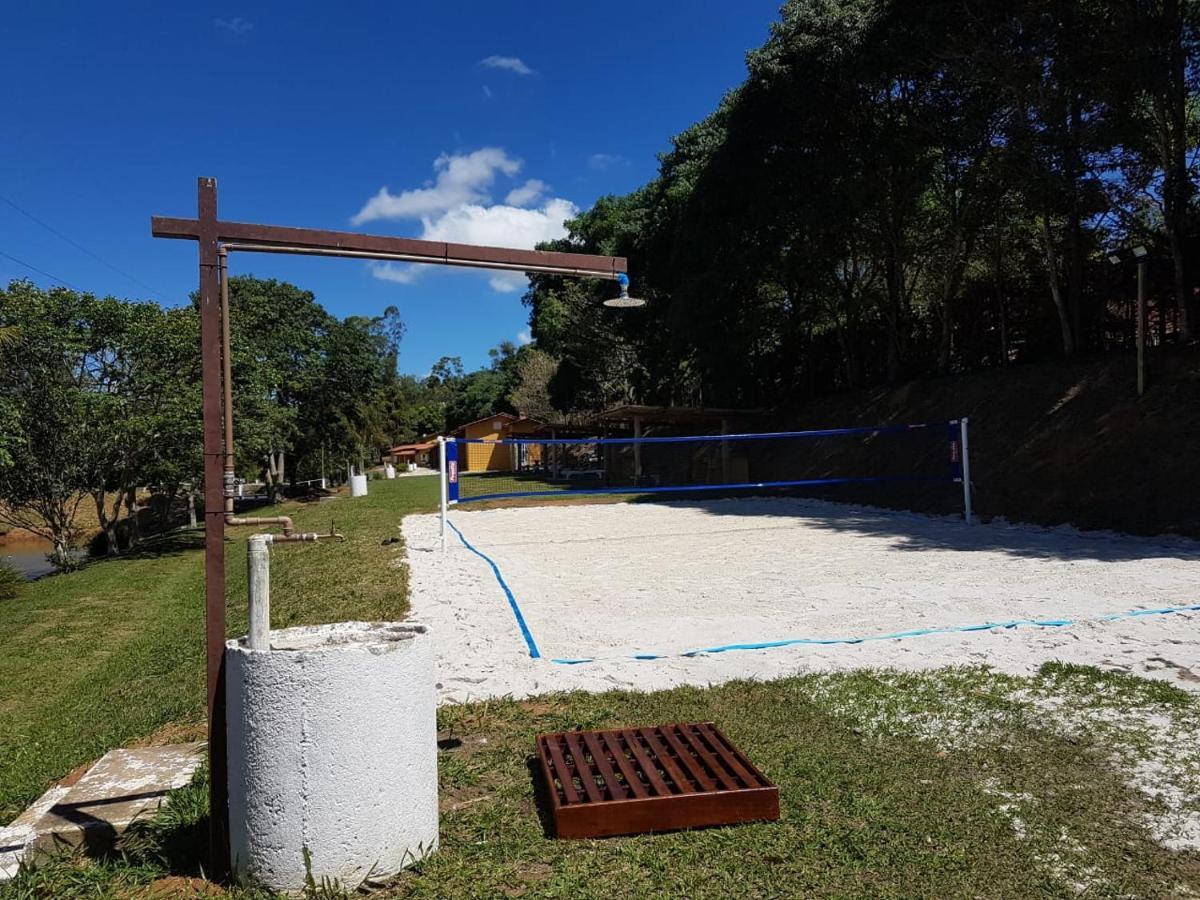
(16, 837)
(125, 786)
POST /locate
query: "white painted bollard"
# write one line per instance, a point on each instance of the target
(358, 485)
(389, 471)
(332, 750)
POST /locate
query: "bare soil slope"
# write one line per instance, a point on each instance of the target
(1057, 443)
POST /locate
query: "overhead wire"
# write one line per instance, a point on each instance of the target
(82, 249)
(32, 268)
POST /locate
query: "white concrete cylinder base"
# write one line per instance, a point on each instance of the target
(358, 485)
(332, 749)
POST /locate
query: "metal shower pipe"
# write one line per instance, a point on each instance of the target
(289, 532)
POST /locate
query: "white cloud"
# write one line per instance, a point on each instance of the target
(457, 209)
(507, 282)
(487, 92)
(460, 179)
(390, 271)
(527, 194)
(606, 160)
(510, 63)
(502, 225)
(524, 337)
(237, 25)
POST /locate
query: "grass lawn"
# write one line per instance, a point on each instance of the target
(99, 658)
(950, 783)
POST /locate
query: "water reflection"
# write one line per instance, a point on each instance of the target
(28, 556)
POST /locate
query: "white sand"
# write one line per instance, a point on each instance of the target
(609, 581)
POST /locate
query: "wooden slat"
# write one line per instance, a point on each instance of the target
(612, 784)
(749, 777)
(655, 743)
(713, 758)
(733, 753)
(627, 769)
(694, 766)
(646, 764)
(560, 766)
(579, 754)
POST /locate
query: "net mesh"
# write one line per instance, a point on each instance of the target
(533, 467)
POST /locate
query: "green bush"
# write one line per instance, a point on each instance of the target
(11, 582)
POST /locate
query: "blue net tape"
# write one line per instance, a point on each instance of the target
(713, 438)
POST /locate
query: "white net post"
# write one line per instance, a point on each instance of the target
(966, 471)
(444, 486)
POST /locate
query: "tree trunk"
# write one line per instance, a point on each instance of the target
(108, 521)
(1056, 294)
(135, 527)
(1073, 249)
(274, 474)
(895, 287)
(998, 293)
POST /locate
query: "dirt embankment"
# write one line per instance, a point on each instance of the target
(1058, 443)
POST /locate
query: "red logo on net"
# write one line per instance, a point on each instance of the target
(453, 471)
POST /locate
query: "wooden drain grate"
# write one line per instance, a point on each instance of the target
(633, 780)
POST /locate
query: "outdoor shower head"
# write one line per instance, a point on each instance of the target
(623, 300)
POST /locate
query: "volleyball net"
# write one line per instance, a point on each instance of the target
(552, 468)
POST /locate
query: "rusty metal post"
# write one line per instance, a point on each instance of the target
(214, 522)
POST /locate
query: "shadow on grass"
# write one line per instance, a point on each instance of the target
(167, 545)
(175, 838)
(542, 801)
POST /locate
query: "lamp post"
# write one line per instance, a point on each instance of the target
(1141, 254)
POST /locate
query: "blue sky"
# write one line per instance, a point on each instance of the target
(477, 122)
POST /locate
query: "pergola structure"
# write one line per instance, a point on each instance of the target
(216, 239)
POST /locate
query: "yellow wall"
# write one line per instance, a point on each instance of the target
(482, 458)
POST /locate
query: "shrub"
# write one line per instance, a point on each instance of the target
(11, 581)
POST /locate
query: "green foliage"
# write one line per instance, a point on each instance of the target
(11, 582)
(55, 394)
(895, 190)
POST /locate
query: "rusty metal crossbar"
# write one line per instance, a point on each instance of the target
(661, 778)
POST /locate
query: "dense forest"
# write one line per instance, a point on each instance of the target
(896, 190)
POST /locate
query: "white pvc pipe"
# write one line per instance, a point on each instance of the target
(966, 471)
(258, 560)
(445, 489)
